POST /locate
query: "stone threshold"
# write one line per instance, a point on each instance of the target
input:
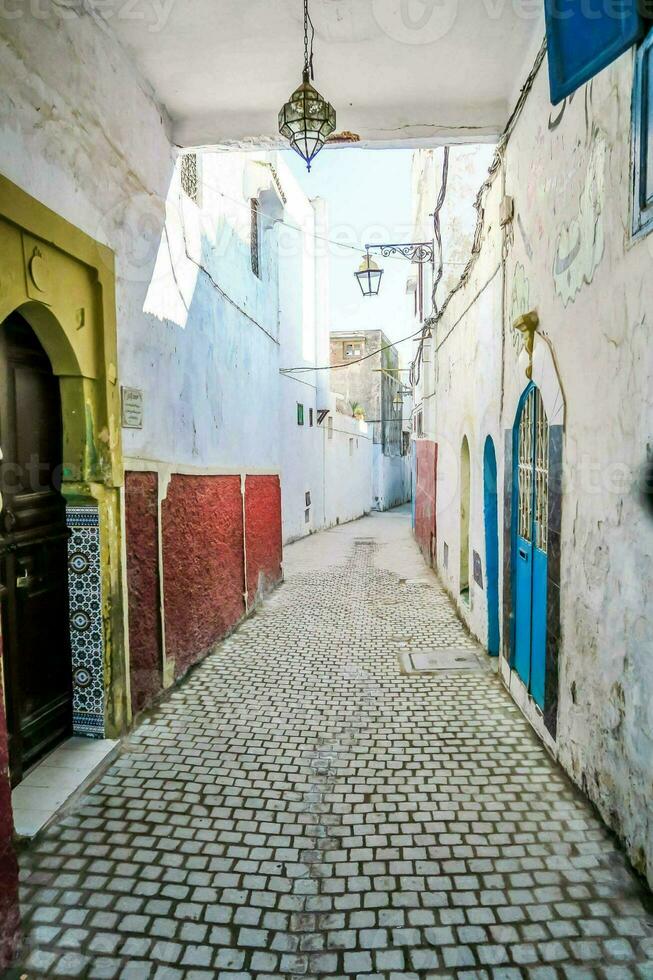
(55, 779)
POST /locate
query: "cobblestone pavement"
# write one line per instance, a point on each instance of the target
(300, 808)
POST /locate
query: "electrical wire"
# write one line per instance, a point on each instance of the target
(306, 234)
(493, 169)
(335, 367)
(416, 366)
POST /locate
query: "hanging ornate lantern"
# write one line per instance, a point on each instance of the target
(369, 276)
(307, 120)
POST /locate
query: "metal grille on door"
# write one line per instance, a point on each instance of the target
(526, 468)
(533, 495)
(541, 475)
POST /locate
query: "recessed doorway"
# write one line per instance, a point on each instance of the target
(33, 551)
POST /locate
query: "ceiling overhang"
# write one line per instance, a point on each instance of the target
(399, 72)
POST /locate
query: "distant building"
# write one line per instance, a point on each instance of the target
(367, 378)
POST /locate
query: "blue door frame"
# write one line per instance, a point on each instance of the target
(491, 545)
(529, 554)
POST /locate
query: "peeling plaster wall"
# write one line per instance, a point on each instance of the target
(590, 284)
(425, 525)
(569, 255)
(468, 396)
(144, 588)
(263, 548)
(203, 564)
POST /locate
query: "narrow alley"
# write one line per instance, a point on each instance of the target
(305, 805)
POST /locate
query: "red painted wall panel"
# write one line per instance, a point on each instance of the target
(141, 529)
(425, 496)
(263, 534)
(9, 908)
(203, 564)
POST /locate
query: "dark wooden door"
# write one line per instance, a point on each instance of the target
(33, 551)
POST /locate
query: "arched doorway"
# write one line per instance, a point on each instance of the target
(465, 504)
(33, 550)
(530, 540)
(491, 545)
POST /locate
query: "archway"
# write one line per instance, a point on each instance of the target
(490, 504)
(465, 507)
(539, 370)
(61, 282)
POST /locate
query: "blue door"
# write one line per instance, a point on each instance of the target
(491, 546)
(531, 484)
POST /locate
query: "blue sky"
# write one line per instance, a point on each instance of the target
(369, 198)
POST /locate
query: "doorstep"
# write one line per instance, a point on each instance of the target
(58, 776)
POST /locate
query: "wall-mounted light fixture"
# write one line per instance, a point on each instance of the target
(402, 392)
(419, 252)
(307, 120)
(527, 324)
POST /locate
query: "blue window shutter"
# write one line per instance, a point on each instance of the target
(646, 55)
(584, 38)
(643, 138)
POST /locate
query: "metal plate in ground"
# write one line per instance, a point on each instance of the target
(436, 661)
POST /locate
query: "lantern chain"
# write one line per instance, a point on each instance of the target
(308, 43)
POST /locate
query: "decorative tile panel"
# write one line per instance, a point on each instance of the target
(86, 632)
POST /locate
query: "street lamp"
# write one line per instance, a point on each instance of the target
(307, 120)
(369, 274)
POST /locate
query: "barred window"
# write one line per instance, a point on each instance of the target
(254, 239)
(190, 177)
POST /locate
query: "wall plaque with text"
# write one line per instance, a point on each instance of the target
(132, 408)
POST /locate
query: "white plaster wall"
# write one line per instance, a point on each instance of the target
(468, 396)
(302, 468)
(391, 480)
(338, 471)
(570, 256)
(206, 348)
(467, 170)
(348, 469)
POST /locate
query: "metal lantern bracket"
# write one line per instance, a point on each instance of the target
(419, 252)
